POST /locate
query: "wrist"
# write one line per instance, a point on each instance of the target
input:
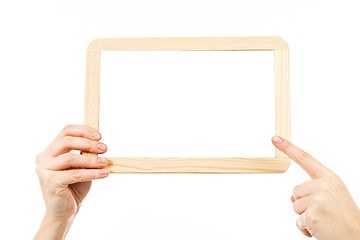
(58, 220)
(54, 228)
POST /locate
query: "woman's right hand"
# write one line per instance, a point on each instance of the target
(65, 177)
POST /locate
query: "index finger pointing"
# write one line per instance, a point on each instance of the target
(312, 166)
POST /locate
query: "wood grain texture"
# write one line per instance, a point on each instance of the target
(92, 92)
(188, 44)
(195, 165)
(198, 165)
(282, 96)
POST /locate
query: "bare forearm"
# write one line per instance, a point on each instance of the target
(53, 229)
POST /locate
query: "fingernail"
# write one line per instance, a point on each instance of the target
(104, 172)
(95, 135)
(101, 160)
(101, 146)
(277, 139)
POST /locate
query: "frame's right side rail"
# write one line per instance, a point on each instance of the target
(282, 96)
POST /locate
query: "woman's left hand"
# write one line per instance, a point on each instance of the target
(326, 208)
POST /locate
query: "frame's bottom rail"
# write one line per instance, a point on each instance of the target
(198, 165)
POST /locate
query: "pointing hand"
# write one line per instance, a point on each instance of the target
(326, 209)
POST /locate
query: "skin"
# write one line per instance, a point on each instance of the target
(325, 207)
(65, 177)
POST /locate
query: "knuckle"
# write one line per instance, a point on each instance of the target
(92, 161)
(47, 179)
(295, 207)
(336, 178)
(310, 219)
(77, 175)
(304, 156)
(326, 186)
(66, 142)
(38, 158)
(88, 145)
(84, 161)
(340, 184)
(318, 201)
(296, 190)
(67, 129)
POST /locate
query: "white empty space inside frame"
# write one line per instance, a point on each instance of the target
(187, 103)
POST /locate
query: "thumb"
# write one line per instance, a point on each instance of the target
(312, 166)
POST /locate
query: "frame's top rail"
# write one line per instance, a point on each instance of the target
(189, 44)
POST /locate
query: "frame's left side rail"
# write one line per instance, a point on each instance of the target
(92, 91)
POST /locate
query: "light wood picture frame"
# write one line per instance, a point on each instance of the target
(277, 164)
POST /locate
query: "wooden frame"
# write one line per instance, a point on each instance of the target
(279, 163)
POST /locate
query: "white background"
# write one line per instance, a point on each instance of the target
(177, 104)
